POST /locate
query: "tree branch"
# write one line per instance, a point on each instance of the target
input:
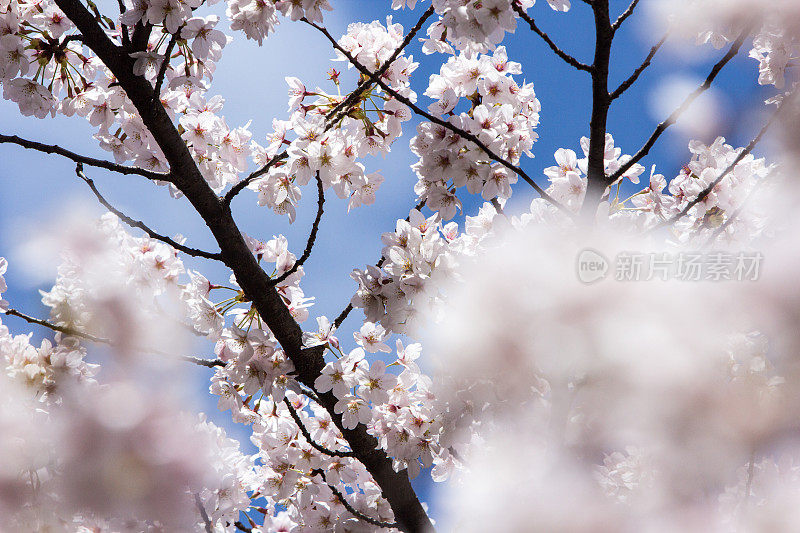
(210, 363)
(662, 127)
(553, 46)
(312, 237)
(601, 102)
(627, 13)
(346, 311)
(203, 514)
(744, 153)
(333, 115)
(49, 325)
(443, 123)
(242, 527)
(236, 189)
(162, 69)
(141, 225)
(350, 508)
(625, 85)
(307, 435)
(255, 283)
(77, 158)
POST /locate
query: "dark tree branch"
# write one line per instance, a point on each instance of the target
(255, 283)
(77, 158)
(350, 509)
(601, 102)
(343, 315)
(141, 225)
(49, 325)
(307, 435)
(335, 114)
(339, 111)
(210, 363)
(553, 46)
(627, 13)
(625, 85)
(236, 189)
(443, 123)
(744, 153)
(162, 69)
(141, 36)
(242, 527)
(662, 127)
(126, 38)
(312, 237)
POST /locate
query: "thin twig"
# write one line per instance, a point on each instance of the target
(141, 225)
(61, 329)
(749, 483)
(346, 311)
(625, 85)
(242, 527)
(744, 153)
(735, 215)
(210, 363)
(553, 46)
(203, 514)
(627, 13)
(312, 237)
(497, 206)
(77, 158)
(443, 123)
(662, 127)
(162, 69)
(307, 435)
(333, 116)
(236, 189)
(126, 39)
(350, 508)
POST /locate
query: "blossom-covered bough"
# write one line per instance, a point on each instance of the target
(339, 430)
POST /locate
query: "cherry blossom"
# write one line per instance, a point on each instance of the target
(94, 422)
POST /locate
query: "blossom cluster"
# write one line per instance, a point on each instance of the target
(474, 26)
(502, 116)
(257, 19)
(568, 181)
(334, 132)
(419, 255)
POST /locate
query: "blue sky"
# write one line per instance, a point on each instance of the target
(36, 189)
